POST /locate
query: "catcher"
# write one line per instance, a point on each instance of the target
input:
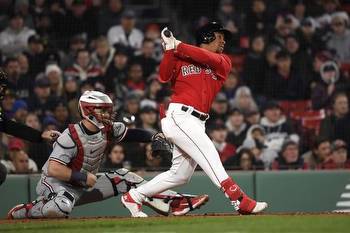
(69, 176)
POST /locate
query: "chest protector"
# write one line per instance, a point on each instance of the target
(90, 150)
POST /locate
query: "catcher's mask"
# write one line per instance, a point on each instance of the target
(3, 83)
(206, 35)
(97, 108)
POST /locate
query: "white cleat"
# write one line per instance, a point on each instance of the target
(260, 206)
(134, 207)
(19, 211)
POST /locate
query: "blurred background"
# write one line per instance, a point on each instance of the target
(284, 105)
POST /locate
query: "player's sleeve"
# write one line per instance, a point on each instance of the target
(21, 131)
(119, 131)
(64, 149)
(221, 63)
(167, 67)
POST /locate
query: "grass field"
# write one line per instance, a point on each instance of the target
(235, 224)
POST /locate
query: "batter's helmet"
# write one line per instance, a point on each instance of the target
(205, 34)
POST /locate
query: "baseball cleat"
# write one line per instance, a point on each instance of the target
(186, 204)
(19, 211)
(134, 207)
(260, 206)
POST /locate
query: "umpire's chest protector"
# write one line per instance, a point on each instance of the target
(90, 149)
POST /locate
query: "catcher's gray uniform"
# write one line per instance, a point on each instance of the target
(82, 152)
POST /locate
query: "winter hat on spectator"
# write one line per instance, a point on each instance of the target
(42, 82)
(339, 144)
(35, 39)
(341, 15)
(148, 105)
(271, 105)
(221, 97)
(287, 143)
(49, 120)
(309, 22)
(129, 14)
(15, 144)
(52, 67)
(19, 104)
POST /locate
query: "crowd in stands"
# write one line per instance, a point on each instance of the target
(284, 105)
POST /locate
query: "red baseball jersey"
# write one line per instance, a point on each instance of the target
(196, 75)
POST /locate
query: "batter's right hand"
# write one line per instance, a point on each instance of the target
(90, 180)
(169, 41)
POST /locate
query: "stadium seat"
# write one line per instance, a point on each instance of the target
(295, 106)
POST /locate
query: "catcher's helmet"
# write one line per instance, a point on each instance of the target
(205, 34)
(93, 105)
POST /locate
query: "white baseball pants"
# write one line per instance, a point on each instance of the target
(192, 147)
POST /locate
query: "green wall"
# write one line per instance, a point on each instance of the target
(285, 191)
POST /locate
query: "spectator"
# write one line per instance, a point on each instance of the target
(41, 101)
(270, 56)
(218, 135)
(327, 85)
(152, 32)
(153, 87)
(126, 33)
(115, 158)
(289, 157)
(155, 163)
(20, 162)
(146, 59)
(255, 142)
(50, 123)
(13, 40)
(83, 68)
(252, 118)
(284, 83)
(231, 84)
(77, 43)
(276, 126)
(70, 88)
(309, 36)
(117, 73)
(337, 124)
(37, 151)
(319, 155)
(131, 105)
(285, 25)
(340, 38)
(135, 80)
(148, 117)
(7, 103)
(339, 156)
(54, 74)
(61, 114)
(255, 66)
(244, 100)
(237, 128)
(20, 111)
(219, 109)
(258, 19)
(37, 55)
(244, 160)
(301, 61)
(103, 54)
(13, 71)
(25, 81)
(299, 10)
(110, 16)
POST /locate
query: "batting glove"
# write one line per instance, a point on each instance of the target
(169, 41)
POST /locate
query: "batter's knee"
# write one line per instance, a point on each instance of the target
(59, 205)
(180, 178)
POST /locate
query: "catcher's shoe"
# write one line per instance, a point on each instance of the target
(186, 204)
(134, 207)
(19, 211)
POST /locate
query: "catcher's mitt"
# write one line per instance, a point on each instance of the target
(161, 147)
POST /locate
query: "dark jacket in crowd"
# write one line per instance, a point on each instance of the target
(254, 71)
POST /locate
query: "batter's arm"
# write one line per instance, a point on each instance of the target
(167, 66)
(218, 62)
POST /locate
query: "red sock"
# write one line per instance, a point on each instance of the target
(231, 189)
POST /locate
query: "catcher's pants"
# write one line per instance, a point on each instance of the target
(51, 192)
(192, 147)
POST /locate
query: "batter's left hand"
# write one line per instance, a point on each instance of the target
(50, 135)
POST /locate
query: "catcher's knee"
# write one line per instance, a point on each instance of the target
(59, 205)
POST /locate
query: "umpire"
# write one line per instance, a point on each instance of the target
(19, 130)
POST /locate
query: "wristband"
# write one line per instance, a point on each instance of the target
(78, 177)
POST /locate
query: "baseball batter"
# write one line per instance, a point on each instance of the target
(69, 175)
(196, 75)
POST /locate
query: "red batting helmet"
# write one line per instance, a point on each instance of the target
(205, 34)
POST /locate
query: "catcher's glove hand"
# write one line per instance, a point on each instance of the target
(161, 147)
